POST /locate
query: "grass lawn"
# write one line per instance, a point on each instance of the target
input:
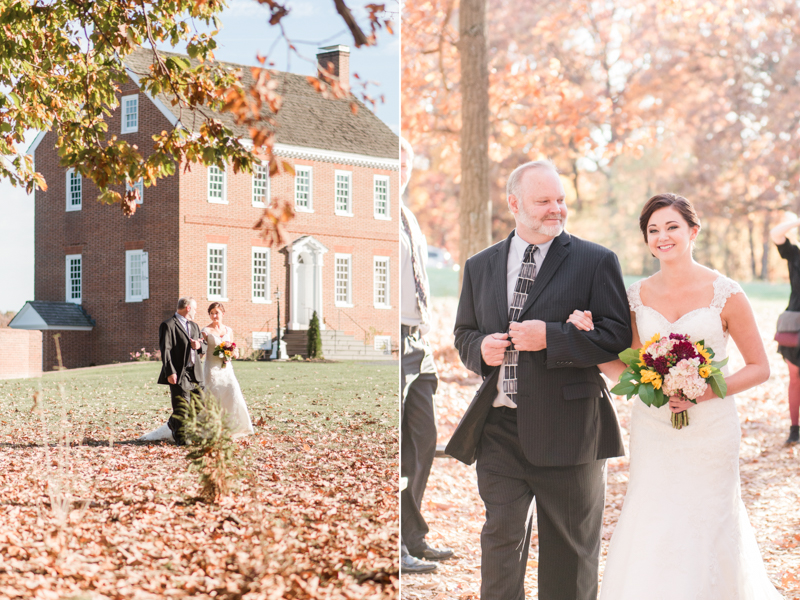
(85, 509)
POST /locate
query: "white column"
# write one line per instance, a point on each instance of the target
(294, 254)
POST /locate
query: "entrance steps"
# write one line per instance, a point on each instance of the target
(335, 346)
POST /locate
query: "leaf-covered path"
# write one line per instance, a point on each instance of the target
(87, 513)
(770, 475)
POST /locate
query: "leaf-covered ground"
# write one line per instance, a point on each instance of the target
(770, 475)
(86, 512)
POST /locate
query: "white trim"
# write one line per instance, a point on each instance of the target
(139, 185)
(158, 104)
(342, 158)
(35, 143)
(349, 302)
(260, 203)
(124, 125)
(317, 251)
(310, 170)
(68, 280)
(376, 304)
(375, 213)
(70, 205)
(267, 299)
(224, 199)
(348, 212)
(222, 296)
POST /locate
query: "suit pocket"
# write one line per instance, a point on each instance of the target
(581, 391)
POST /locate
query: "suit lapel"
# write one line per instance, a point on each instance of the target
(180, 327)
(499, 266)
(559, 250)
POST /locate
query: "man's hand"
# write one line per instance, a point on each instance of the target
(528, 335)
(173, 379)
(197, 344)
(493, 348)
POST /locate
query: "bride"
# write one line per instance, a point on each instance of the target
(219, 381)
(219, 378)
(683, 533)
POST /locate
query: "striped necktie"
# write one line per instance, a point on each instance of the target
(527, 275)
(416, 268)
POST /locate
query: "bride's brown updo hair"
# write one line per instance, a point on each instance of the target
(214, 305)
(659, 201)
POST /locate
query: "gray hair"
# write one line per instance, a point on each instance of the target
(514, 183)
(185, 302)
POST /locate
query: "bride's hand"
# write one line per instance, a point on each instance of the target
(677, 405)
(582, 319)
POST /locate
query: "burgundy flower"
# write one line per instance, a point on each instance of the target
(661, 364)
(648, 360)
(684, 349)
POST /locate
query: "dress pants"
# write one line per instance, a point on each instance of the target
(180, 400)
(569, 507)
(418, 380)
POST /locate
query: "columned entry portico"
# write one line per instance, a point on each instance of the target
(305, 281)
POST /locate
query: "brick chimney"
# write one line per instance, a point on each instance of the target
(339, 56)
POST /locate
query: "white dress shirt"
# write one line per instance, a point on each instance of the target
(409, 308)
(516, 253)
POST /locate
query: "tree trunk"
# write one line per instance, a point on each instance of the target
(766, 243)
(475, 219)
(752, 248)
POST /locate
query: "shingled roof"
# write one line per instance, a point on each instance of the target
(52, 315)
(305, 119)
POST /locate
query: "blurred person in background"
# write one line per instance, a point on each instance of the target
(418, 380)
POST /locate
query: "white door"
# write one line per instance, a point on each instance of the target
(305, 290)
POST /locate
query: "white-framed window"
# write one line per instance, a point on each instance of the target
(217, 271)
(343, 202)
(262, 340)
(139, 185)
(130, 113)
(216, 185)
(261, 186)
(74, 190)
(381, 281)
(74, 278)
(261, 275)
(343, 280)
(383, 343)
(303, 190)
(137, 276)
(381, 197)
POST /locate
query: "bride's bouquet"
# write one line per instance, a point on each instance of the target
(670, 366)
(225, 352)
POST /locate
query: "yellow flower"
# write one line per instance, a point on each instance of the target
(704, 371)
(652, 377)
(703, 352)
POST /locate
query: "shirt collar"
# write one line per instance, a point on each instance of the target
(519, 245)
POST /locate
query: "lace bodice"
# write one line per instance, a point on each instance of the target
(699, 324)
(213, 340)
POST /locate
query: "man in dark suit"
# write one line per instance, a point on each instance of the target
(542, 422)
(181, 348)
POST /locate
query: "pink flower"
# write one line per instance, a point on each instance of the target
(684, 377)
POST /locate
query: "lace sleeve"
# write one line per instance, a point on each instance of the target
(724, 288)
(634, 300)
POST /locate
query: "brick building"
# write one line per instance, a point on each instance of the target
(192, 234)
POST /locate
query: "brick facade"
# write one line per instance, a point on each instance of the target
(22, 353)
(174, 225)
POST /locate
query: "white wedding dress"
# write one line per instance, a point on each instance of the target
(684, 533)
(222, 384)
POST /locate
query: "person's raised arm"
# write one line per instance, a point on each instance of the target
(778, 233)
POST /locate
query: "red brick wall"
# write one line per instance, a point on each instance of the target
(361, 235)
(20, 353)
(100, 234)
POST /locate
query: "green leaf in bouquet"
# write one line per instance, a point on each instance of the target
(629, 356)
(659, 398)
(647, 394)
(627, 375)
(720, 363)
(718, 384)
(624, 388)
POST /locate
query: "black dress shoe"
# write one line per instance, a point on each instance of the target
(428, 553)
(794, 434)
(409, 564)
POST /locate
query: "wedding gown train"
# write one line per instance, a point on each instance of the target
(221, 382)
(684, 533)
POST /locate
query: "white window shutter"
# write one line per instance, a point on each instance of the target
(128, 277)
(145, 277)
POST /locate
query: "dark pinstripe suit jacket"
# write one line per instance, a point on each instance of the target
(564, 413)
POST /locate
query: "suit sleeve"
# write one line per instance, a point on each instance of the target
(165, 344)
(468, 336)
(569, 347)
